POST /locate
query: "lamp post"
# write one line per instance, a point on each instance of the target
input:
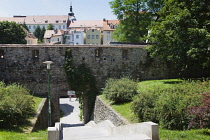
(49, 108)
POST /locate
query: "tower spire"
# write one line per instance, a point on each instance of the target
(71, 10)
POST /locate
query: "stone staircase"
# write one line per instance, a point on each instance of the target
(107, 131)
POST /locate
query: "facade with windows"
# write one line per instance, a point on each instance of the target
(58, 21)
(93, 36)
(108, 28)
(54, 36)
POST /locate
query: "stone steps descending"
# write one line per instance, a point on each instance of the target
(79, 133)
(103, 131)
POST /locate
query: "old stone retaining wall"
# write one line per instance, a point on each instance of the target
(24, 64)
(103, 111)
(41, 118)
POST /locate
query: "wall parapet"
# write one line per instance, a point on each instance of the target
(103, 112)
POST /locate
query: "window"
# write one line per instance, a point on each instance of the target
(69, 37)
(111, 27)
(64, 27)
(125, 54)
(108, 32)
(108, 38)
(58, 39)
(1, 54)
(35, 53)
(34, 27)
(97, 36)
(93, 36)
(29, 27)
(97, 52)
(77, 36)
(92, 30)
(59, 27)
(88, 36)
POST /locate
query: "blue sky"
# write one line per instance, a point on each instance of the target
(83, 9)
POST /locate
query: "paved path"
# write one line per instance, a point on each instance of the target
(71, 116)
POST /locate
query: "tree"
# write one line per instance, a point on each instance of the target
(50, 27)
(42, 33)
(37, 33)
(24, 26)
(182, 35)
(11, 33)
(135, 16)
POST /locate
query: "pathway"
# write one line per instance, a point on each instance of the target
(71, 116)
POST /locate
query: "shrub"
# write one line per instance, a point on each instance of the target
(143, 106)
(120, 90)
(200, 115)
(169, 106)
(16, 104)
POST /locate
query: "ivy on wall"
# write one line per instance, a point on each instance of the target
(81, 79)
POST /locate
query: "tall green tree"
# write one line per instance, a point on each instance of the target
(11, 33)
(42, 33)
(182, 35)
(38, 32)
(134, 20)
(50, 27)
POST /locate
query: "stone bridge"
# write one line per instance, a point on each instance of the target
(24, 64)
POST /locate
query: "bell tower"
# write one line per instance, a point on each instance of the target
(71, 10)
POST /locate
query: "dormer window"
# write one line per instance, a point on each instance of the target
(46, 21)
(56, 21)
(111, 27)
(64, 21)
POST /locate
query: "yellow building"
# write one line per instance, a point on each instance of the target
(93, 36)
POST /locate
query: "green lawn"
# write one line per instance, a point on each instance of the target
(6, 135)
(152, 85)
(19, 135)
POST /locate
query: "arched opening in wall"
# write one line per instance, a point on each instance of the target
(69, 111)
(35, 54)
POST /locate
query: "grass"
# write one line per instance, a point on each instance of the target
(17, 134)
(157, 84)
(200, 134)
(152, 85)
(37, 101)
(6, 135)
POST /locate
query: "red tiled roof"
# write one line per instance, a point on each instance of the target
(107, 23)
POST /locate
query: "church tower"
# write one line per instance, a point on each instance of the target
(71, 10)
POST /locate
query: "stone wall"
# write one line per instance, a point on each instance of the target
(24, 64)
(41, 118)
(103, 112)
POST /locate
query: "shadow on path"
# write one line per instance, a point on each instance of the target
(67, 109)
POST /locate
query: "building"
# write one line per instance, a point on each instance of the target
(73, 37)
(93, 36)
(86, 24)
(54, 36)
(108, 28)
(58, 21)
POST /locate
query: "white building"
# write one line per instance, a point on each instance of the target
(74, 37)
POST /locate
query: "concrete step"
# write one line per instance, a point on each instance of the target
(122, 137)
(85, 132)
